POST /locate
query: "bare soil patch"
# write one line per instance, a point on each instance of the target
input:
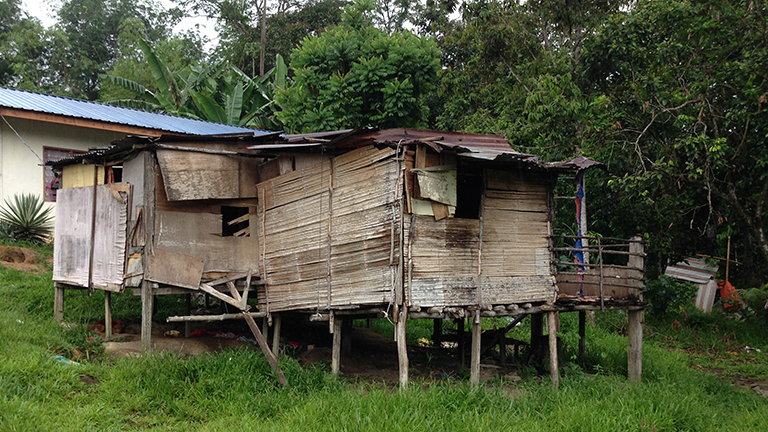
(21, 258)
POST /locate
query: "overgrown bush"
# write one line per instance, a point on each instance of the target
(665, 293)
(25, 218)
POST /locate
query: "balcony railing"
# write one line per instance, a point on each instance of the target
(603, 267)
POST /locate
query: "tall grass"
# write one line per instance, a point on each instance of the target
(236, 390)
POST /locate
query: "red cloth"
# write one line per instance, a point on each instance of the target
(729, 293)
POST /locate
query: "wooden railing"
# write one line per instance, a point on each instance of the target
(612, 268)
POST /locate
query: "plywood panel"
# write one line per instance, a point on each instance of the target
(72, 238)
(175, 269)
(199, 176)
(199, 235)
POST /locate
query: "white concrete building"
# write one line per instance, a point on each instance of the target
(36, 128)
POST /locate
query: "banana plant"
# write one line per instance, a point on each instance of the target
(218, 92)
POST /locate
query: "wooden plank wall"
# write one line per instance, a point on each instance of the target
(515, 248)
(194, 228)
(72, 240)
(344, 207)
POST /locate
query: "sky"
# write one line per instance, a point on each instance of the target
(45, 11)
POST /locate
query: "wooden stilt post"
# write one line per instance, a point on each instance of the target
(474, 377)
(635, 345)
(346, 336)
(265, 348)
(402, 348)
(437, 332)
(537, 330)
(146, 315)
(265, 327)
(58, 302)
(336, 350)
(187, 311)
(503, 348)
(460, 334)
(582, 337)
(108, 314)
(553, 362)
(276, 334)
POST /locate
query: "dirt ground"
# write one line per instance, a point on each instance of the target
(371, 358)
(22, 259)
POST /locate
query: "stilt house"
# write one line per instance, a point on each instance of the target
(401, 223)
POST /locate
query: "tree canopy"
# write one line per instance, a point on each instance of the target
(356, 75)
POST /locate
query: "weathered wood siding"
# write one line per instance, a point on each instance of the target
(515, 252)
(72, 240)
(194, 228)
(345, 208)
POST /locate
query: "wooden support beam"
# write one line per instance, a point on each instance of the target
(221, 296)
(460, 334)
(276, 334)
(265, 348)
(265, 326)
(336, 349)
(108, 314)
(553, 362)
(402, 348)
(221, 317)
(537, 330)
(346, 336)
(58, 302)
(635, 345)
(437, 332)
(474, 377)
(187, 312)
(582, 337)
(146, 315)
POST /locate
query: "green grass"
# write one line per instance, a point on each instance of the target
(236, 390)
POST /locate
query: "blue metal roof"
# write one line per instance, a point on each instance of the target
(38, 102)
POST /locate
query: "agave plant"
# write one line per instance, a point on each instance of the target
(26, 218)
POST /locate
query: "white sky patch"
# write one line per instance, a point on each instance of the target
(45, 11)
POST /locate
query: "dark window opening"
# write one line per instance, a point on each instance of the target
(234, 222)
(469, 191)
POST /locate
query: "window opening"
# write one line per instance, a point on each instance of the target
(52, 180)
(234, 222)
(469, 191)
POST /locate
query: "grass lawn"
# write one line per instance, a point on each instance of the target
(690, 361)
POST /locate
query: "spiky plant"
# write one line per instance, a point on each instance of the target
(26, 218)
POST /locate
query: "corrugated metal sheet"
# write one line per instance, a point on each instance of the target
(696, 270)
(38, 102)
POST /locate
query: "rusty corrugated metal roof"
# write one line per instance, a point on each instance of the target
(77, 108)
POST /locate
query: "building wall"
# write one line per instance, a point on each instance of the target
(21, 169)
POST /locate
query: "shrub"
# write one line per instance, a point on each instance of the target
(26, 218)
(666, 292)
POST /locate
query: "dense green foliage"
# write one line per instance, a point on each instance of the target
(26, 218)
(355, 75)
